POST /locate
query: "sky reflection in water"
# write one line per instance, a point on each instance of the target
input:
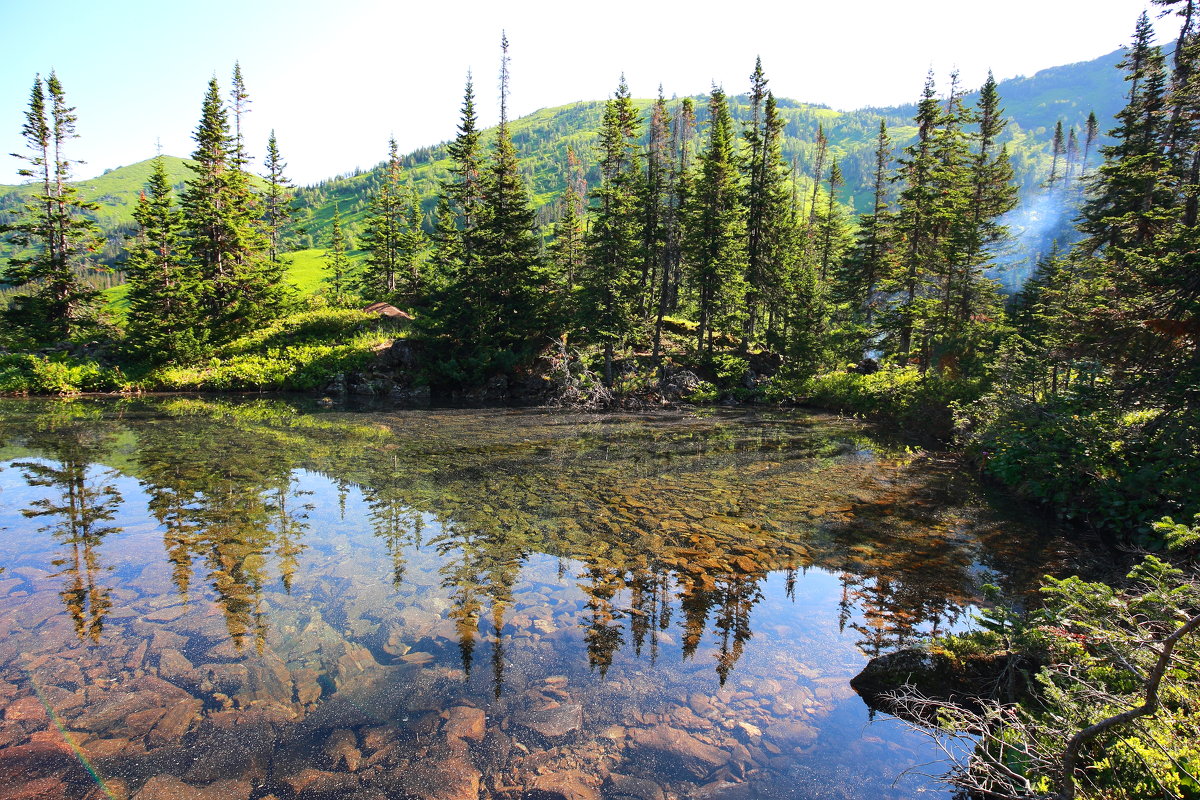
(249, 596)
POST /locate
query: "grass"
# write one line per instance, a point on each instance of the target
(300, 352)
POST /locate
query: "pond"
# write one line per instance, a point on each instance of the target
(225, 599)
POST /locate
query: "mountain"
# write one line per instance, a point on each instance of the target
(1033, 105)
(116, 192)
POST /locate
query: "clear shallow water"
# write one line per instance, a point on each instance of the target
(241, 599)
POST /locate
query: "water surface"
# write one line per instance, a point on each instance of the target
(216, 598)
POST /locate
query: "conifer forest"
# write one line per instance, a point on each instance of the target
(634, 372)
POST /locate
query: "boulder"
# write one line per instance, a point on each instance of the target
(568, 785)
(941, 676)
(674, 751)
(465, 722)
(553, 722)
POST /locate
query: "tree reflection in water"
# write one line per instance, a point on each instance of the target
(660, 526)
(83, 501)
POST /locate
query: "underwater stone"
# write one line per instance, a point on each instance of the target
(553, 722)
(465, 722)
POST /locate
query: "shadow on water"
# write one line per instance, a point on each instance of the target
(443, 602)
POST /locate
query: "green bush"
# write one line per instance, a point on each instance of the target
(1088, 458)
(61, 374)
(900, 394)
(705, 393)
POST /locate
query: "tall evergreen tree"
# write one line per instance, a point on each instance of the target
(818, 171)
(682, 133)
(337, 263)
(715, 230)
(608, 287)
(767, 212)
(991, 196)
(239, 104)
(277, 199)
(869, 260)
(463, 192)
(1143, 234)
(913, 226)
(1057, 150)
(655, 205)
(568, 251)
(163, 322)
(832, 231)
(491, 311)
(383, 232)
(1133, 182)
(60, 238)
(223, 234)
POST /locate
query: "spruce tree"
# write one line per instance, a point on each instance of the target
(833, 233)
(818, 171)
(682, 133)
(54, 229)
(384, 231)
(239, 104)
(914, 226)
(337, 262)
(463, 194)
(568, 251)
(1057, 151)
(492, 311)
(277, 199)
(767, 212)
(414, 280)
(455, 257)
(226, 245)
(1143, 234)
(609, 282)
(715, 230)
(446, 246)
(991, 196)
(948, 229)
(164, 320)
(869, 260)
(1133, 183)
(655, 205)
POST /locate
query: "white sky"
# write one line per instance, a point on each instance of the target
(336, 78)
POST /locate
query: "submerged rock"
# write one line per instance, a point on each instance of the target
(465, 722)
(630, 786)
(311, 784)
(553, 722)
(570, 785)
(168, 787)
(672, 750)
(341, 748)
(450, 779)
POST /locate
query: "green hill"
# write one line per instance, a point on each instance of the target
(116, 192)
(1033, 105)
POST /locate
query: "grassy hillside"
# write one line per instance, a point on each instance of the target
(306, 271)
(116, 190)
(1033, 105)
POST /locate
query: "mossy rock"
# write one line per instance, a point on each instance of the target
(939, 675)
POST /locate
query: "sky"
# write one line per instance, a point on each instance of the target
(336, 78)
